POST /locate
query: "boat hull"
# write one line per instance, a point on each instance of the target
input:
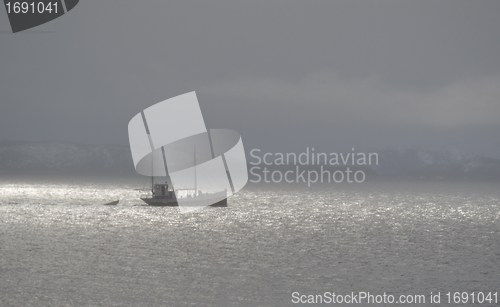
(173, 203)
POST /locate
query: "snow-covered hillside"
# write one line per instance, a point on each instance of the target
(116, 159)
(436, 164)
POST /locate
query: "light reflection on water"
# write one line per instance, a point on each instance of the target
(60, 245)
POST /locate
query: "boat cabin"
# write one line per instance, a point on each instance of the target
(160, 190)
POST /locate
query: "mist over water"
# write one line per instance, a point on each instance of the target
(61, 245)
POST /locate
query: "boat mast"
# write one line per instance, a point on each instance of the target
(195, 180)
(152, 174)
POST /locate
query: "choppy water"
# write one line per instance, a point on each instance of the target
(60, 246)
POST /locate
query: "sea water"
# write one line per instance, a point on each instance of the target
(59, 245)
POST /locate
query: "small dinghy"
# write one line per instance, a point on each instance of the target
(112, 203)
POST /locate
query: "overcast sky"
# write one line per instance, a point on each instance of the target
(285, 74)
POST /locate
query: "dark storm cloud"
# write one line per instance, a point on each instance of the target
(283, 73)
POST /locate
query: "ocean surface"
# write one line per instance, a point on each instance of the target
(60, 246)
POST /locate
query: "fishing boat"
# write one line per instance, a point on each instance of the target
(163, 195)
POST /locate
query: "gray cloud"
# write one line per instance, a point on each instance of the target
(325, 97)
(283, 73)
